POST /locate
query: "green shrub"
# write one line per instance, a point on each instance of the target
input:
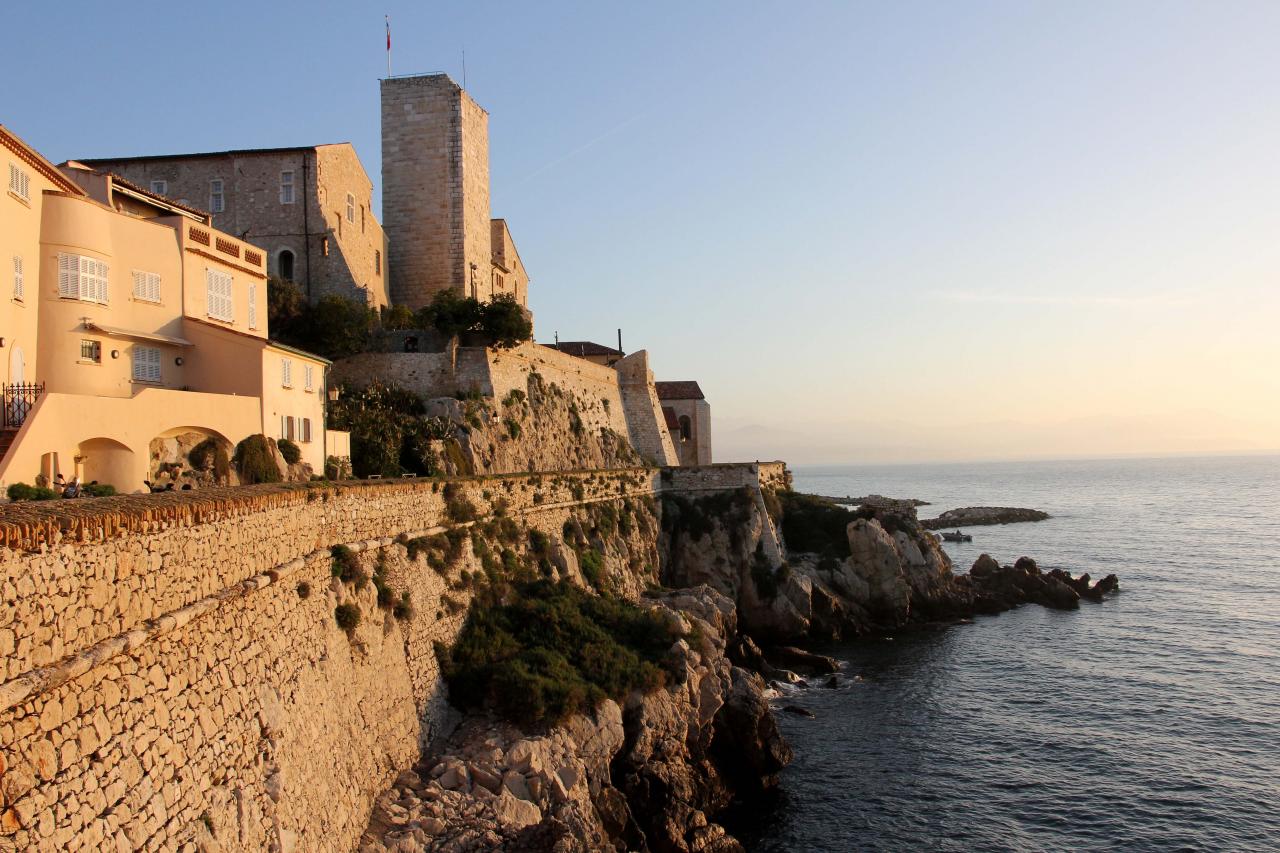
(290, 451)
(457, 507)
(201, 456)
(814, 525)
(513, 427)
(347, 616)
(346, 565)
(554, 650)
(591, 562)
(99, 490)
(403, 609)
(505, 322)
(255, 461)
(23, 492)
(515, 398)
(337, 469)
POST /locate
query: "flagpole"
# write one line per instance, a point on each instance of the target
(388, 20)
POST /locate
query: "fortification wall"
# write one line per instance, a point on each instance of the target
(623, 401)
(172, 665)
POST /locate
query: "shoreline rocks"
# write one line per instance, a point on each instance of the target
(976, 516)
(650, 773)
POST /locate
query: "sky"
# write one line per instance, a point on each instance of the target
(873, 232)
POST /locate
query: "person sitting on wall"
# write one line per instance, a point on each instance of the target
(72, 489)
(59, 484)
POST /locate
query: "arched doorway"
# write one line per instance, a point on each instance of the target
(284, 264)
(108, 462)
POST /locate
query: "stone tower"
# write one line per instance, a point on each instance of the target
(435, 189)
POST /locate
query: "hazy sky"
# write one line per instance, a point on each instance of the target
(873, 232)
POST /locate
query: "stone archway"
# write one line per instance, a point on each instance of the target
(107, 462)
(190, 456)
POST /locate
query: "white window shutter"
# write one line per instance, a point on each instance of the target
(19, 285)
(253, 306)
(68, 276)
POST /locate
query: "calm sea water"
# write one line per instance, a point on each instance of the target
(1149, 722)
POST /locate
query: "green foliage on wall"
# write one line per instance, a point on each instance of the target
(551, 649)
(390, 435)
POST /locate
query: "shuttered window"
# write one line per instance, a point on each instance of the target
(82, 278)
(146, 286)
(308, 377)
(286, 372)
(288, 425)
(146, 364)
(351, 208)
(306, 430)
(253, 306)
(220, 306)
(19, 182)
(19, 284)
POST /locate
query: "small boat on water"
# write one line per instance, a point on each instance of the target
(957, 536)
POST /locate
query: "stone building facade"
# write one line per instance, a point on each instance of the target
(435, 196)
(689, 416)
(309, 208)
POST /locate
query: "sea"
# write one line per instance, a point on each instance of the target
(1150, 721)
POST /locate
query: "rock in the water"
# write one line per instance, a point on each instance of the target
(973, 516)
(798, 711)
(806, 660)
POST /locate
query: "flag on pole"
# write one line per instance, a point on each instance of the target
(388, 20)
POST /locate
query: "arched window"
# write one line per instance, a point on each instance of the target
(686, 428)
(284, 264)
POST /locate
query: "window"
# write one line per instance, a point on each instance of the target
(19, 282)
(686, 428)
(286, 372)
(351, 208)
(377, 262)
(220, 306)
(146, 364)
(217, 201)
(92, 351)
(306, 430)
(286, 187)
(253, 306)
(160, 187)
(20, 182)
(308, 377)
(284, 264)
(287, 424)
(324, 246)
(146, 286)
(82, 278)
(362, 219)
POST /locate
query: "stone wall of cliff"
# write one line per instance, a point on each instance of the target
(205, 668)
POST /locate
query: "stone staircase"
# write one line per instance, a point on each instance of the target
(7, 436)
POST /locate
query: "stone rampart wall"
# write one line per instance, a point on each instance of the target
(172, 665)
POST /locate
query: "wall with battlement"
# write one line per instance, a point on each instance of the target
(171, 664)
(622, 399)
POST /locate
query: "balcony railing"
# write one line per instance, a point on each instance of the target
(18, 400)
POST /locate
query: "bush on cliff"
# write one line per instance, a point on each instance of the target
(501, 320)
(550, 650)
(255, 462)
(390, 434)
(290, 451)
(815, 525)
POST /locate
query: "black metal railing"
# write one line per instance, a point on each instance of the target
(18, 400)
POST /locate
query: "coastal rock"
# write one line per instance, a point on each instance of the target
(974, 516)
(651, 773)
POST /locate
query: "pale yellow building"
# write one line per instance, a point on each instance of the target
(130, 322)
